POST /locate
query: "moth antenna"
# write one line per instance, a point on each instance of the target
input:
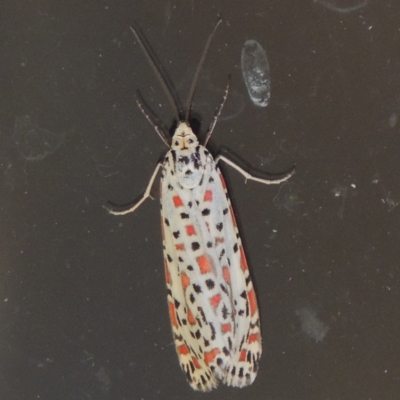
(172, 101)
(196, 75)
(158, 128)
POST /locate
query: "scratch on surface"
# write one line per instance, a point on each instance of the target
(33, 142)
(343, 6)
(311, 325)
(388, 199)
(391, 202)
(286, 198)
(340, 191)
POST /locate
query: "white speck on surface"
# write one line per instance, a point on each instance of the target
(393, 120)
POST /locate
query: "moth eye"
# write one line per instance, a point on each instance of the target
(176, 143)
(190, 141)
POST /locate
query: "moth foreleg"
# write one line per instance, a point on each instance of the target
(145, 195)
(247, 175)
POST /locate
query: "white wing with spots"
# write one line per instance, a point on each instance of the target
(211, 299)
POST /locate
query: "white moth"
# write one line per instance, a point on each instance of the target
(211, 298)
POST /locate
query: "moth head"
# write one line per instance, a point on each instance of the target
(184, 138)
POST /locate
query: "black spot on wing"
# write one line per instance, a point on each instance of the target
(224, 289)
(203, 316)
(212, 331)
(197, 288)
(224, 311)
(191, 366)
(184, 159)
(249, 357)
(210, 284)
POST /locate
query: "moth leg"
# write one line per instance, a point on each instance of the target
(247, 175)
(217, 114)
(146, 195)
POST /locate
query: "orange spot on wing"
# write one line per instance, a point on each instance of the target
(191, 318)
(214, 301)
(243, 354)
(252, 300)
(204, 264)
(190, 230)
(185, 281)
(167, 274)
(208, 195)
(196, 362)
(180, 246)
(222, 181)
(210, 355)
(219, 240)
(226, 328)
(226, 274)
(183, 349)
(233, 216)
(243, 259)
(172, 314)
(253, 338)
(177, 201)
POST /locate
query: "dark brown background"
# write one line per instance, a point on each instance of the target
(82, 295)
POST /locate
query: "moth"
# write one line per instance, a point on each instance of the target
(211, 299)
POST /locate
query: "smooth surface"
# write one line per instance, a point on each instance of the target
(82, 293)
